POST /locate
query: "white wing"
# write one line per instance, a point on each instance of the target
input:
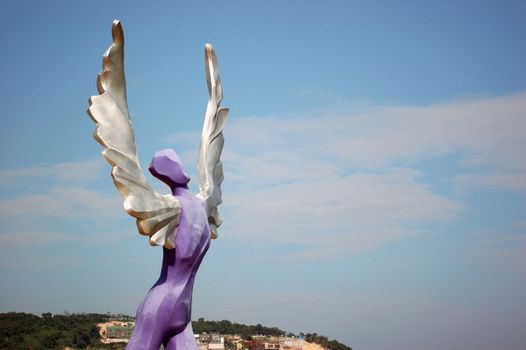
(157, 215)
(209, 166)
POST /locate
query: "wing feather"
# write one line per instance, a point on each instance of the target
(209, 166)
(157, 215)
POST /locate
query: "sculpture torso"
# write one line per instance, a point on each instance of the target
(180, 265)
(165, 313)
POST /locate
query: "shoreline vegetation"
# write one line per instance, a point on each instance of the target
(19, 330)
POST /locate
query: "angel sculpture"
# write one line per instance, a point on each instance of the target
(180, 222)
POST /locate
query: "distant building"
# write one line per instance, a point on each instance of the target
(269, 346)
(273, 343)
(212, 341)
(235, 340)
(266, 343)
(292, 344)
(116, 331)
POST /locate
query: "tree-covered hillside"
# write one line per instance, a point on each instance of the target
(227, 327)
(27, 331)
(23, 331)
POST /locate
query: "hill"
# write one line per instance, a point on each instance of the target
(28, 331)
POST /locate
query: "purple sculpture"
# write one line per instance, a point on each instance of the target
(181, 222)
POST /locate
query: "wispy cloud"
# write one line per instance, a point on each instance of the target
(336, 182)
(509, 181)
(484, 131)
(57, 203)
(503, 249)
(12, 240)
(62, 173)
(63, 190)
(339, 214)
(328, 183)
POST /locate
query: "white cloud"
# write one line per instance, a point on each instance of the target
(330, 183)
(19, 239)
(339, 214)
(58, 190)
(81, 172)
(338, 182)
(486, 131)
(57, 203)
(509, 181)
(503, 249)
(36, 238)
(65, 203)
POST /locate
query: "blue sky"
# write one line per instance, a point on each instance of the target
(375, 173)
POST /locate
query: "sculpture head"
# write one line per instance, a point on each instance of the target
(167, 167)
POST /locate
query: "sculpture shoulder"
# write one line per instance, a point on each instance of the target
(193, 207)
(187, 198)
